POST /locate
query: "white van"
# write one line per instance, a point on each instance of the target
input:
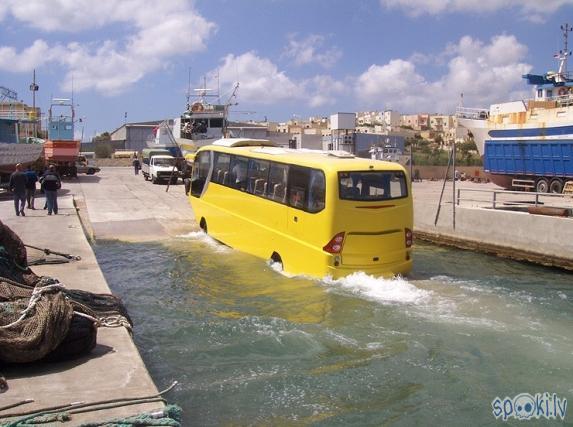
(160, 168)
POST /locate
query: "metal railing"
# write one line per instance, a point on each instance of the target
(504, 198)
(18, 115)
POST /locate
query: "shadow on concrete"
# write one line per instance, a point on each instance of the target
(13, 371)
(83, 179)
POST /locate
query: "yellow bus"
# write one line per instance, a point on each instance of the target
(317, 213)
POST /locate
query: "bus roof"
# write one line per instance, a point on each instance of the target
(325, 160)
(244, 142)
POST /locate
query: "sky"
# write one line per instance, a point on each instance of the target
(135, 60)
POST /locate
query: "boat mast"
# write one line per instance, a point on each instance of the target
(563, 54)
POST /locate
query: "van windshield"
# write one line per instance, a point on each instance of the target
(372, 185)
(163, 162)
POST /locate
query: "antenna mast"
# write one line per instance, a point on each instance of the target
(189, 87)
(564, 54)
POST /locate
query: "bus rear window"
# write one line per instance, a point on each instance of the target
(372, 185)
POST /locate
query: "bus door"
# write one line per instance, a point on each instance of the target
(201, 169)
(306, 198)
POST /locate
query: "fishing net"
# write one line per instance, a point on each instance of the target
(40, 319)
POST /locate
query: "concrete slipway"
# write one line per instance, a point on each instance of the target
(118, 205)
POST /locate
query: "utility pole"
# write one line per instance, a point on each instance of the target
(454, 184)
(34, 88)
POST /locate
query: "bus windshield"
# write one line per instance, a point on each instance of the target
(372, 185)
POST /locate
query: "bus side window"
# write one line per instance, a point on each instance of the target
(298, 179)
(221, 166)
(277, 182)
(238, 173)
(200, 172)
(258, 176)
(316, 195)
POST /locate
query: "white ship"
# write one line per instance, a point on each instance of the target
(529, 141)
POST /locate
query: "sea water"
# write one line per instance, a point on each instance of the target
(252, 346)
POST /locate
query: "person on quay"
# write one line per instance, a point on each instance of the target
(17, 185)
(51, 183)
(136, 164)
(31, 180)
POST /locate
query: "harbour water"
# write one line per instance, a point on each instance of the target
(251, 346)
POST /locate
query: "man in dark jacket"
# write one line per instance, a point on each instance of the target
(18, 182)
(51, 184)
(32, 178)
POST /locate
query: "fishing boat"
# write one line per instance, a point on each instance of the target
(202, 123)
(528, 144)
(13, 149)
(61, 145)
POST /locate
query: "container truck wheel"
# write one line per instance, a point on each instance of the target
(541, 186)
(556, 186)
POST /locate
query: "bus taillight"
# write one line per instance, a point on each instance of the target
(408, 235)
(335, 244)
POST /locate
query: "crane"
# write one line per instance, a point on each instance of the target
(6, 93)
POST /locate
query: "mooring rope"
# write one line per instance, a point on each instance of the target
(75, 406)
(37, 294)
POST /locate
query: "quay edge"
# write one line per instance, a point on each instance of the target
(114, 369)
(538, 239)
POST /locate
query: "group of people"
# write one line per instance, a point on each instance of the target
(23, 186)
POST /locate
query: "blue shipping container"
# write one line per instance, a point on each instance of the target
(533, 157)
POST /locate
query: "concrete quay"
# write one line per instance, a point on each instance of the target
(540, 239)
(114, 369)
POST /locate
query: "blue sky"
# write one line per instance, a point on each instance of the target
(292, 58)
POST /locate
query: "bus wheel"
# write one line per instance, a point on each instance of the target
(276, 258)
(556, 186)
(541, 186)
(203, 225)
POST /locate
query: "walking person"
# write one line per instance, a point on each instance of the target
(17, 185)
(51, 183)
(31, 180)
(136, 164)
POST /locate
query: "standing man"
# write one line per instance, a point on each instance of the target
(51, 184)
(136, 164)
(18, 182)
(32, 178)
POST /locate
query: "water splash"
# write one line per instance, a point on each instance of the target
(203, 237)
(387, 291)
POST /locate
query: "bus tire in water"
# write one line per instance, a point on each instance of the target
(556, 186)
(275, 257)
(203, 225)
(541, 186)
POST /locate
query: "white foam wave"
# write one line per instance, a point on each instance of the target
(386, 291)
(202, 237)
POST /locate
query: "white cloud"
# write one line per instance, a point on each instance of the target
(306, 51)
(154, 33)
(324, 90)
(533, 10)
(484, 73)
(261, 82)
(32, 57)
(260, 79)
